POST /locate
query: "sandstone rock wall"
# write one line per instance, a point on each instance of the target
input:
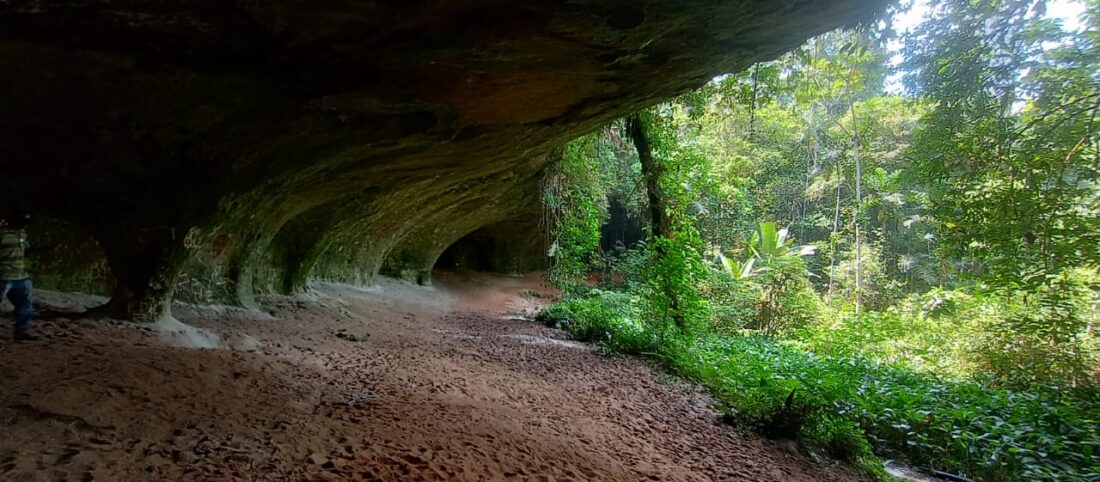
(246, 147)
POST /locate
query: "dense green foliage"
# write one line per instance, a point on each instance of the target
(1008, 154)
(915, 275)
(673, 261)
(575, 205)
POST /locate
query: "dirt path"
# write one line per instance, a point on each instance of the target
(390, 384)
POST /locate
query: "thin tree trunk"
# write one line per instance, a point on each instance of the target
(752, 104)
(809, 180)
(832, 237)
(859, 199)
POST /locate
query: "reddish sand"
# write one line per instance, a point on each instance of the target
(394, 383)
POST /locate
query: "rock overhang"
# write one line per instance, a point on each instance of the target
(255, 145)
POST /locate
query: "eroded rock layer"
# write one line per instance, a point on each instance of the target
(219, 149)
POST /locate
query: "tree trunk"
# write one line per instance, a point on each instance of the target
(752, 104)
(652, 172)
(832, 237)
(859, 203)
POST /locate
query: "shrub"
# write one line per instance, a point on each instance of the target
(622, 269)
(795, 304)
(1043, 337)
(898, 336)
(879, 290)
(668, 297)
(604, 317)
(733, 303)
(775, 299)
(838, 438)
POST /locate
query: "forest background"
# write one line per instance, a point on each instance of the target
(881, 245)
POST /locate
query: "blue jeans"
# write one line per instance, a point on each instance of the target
(19, 293)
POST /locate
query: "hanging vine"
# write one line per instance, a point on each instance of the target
(575, 207)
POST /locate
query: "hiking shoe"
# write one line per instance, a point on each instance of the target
(21, 337)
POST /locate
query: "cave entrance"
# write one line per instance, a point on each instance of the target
(474, 252)
(623, 229)
(509, 247)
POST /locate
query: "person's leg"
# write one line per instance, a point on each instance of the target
(5, 285)
(19, 293)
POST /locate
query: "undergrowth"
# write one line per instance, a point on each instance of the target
(849, 407)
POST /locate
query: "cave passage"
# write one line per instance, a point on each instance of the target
(622, 229)
(472, 252)
(516, 246)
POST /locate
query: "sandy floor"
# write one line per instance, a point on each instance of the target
(394, 383)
